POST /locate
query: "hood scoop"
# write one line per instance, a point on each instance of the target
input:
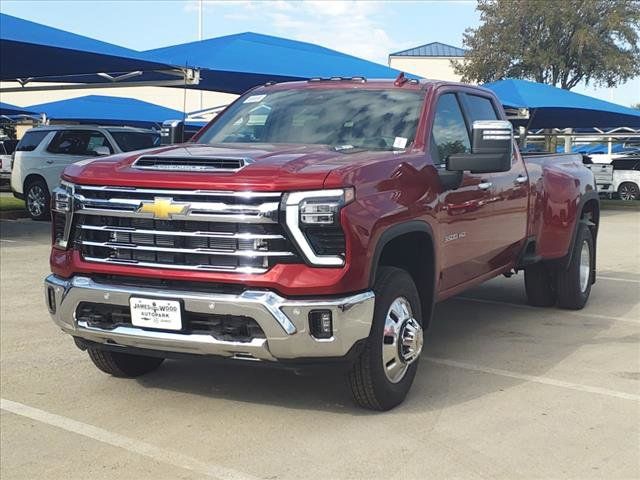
(191, 164)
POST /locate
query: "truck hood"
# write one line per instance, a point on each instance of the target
(272, 168)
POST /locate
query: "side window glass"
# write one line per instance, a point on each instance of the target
(480, 108)
(31, 140)
(449, 132)
(77, 142)
(97, 140)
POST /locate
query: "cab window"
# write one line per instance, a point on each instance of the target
(449, 134)
(480, 108)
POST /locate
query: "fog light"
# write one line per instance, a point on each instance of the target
(321, 323)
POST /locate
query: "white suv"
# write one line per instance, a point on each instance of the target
(44, 152)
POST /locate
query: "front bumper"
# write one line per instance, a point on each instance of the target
(283, 321)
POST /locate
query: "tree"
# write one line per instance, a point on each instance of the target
(562, 43)
(636, 106)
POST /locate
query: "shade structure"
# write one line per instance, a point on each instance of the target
(552, 107)
(106, 110)
(29, 49)
(235, 63)
(8, 110)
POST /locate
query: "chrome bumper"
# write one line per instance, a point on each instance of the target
(284, 321)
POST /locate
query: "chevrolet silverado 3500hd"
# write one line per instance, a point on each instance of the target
(311, 222)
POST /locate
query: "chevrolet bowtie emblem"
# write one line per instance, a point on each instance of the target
(163, 208)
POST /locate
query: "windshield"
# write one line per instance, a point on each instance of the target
(343, 119)
(129, 141)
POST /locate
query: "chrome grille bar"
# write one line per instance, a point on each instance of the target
(152, 191)
(237, 236)
(171, 266)
(199, 251)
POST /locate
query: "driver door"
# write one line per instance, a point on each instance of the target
(465, 235)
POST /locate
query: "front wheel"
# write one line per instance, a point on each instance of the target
(120, 364)
(383, 374)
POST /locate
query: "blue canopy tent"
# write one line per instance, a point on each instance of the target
(235, 63)
(551, 107)
(30, 51)
(105, 110)
(8, 110)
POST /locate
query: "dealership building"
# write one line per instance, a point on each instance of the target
(432, 60)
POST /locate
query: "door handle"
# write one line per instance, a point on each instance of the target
(520, 180)
(485, 185)
(49, 161)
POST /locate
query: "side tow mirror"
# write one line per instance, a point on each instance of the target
(491, 150)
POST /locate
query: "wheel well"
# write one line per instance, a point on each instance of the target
(413, 252)
(628, 182)
(32, 177)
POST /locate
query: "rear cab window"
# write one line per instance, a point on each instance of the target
(31, 140)
(78, 142)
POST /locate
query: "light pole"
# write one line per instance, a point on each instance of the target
(200, 4)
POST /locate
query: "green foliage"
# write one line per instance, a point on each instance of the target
(561, 43)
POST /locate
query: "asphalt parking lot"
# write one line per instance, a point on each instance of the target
(505, 391)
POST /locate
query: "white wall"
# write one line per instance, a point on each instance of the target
(166, 96)
(433, 68)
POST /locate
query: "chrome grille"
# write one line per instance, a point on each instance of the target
(214, 231)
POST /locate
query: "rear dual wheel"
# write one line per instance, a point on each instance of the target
(382, 376)
(548, 285)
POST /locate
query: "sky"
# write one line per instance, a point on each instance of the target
(368, 29)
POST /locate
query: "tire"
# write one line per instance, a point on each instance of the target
(124, 365)
(628, 191)
(37, 200)
(540, 285)
(574, 283)
(373, 385)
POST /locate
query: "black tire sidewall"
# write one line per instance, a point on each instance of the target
(391, 284)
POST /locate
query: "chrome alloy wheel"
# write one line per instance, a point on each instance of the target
(628, 192)
(36, 199)
(402, 340)
(585, 266)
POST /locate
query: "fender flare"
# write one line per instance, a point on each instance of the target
(428, 299)
(586, 197)
(393, 232)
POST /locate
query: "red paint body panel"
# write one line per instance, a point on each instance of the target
(391, 188)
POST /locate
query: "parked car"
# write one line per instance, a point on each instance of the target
(44, 152)
(621, 177)
(315, 222)
(7, 147)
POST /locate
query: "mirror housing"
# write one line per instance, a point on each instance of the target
(491, 150)
(101, 151)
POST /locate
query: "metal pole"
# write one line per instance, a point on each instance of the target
(200, 4)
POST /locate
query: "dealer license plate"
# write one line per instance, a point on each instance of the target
(152, 313)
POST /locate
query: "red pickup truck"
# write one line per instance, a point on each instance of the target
(315, 222)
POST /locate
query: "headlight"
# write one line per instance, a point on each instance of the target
(62, 213)
(313, 220)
